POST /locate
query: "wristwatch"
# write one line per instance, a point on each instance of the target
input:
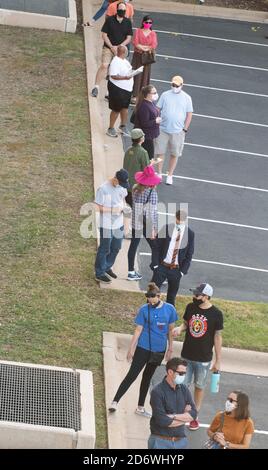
(226, 445)
(185, 130)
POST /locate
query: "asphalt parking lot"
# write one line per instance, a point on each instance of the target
(213, 402)
(222, 174)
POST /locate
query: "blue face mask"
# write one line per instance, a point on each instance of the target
(179, 379)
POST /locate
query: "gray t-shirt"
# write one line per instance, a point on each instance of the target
(111, 196)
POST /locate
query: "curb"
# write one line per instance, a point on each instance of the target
(161, 6)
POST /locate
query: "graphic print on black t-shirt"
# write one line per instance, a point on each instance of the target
(201, 327)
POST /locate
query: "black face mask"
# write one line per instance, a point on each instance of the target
(156, 305)
(121, 13)
(197, 302)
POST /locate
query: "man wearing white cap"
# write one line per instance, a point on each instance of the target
(176, 115)
(203, 323)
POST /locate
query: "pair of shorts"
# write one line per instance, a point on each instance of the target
(118, 98)
(173, 143)
(198, 372)
(106, 56)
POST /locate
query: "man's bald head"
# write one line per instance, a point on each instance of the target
(121, 51)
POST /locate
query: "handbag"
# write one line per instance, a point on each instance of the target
(148, 57)
(210, 443)
(155, 357)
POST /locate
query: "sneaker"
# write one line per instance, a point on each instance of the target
(95, 92)
(111, 274)
(123, 130)
(143, 412)
(134, 277)
(194, 425)
(111, 132)
(113, 406)
(103, 278)
(169, 180)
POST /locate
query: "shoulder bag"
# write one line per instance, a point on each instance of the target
(210, 443)
(155, 357)
(148, 57)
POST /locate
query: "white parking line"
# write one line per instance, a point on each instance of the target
(213, 88)
(213, 221)
(212, 62)
(219, 183)
(231, 120)
(174, 33)
(248, 268)
(242, 152)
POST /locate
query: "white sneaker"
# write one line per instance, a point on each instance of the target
(169, 180)
(143, 412)
(113, 406)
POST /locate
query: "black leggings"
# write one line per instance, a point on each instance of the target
(135, 241)
(148, 145)
(140, 359)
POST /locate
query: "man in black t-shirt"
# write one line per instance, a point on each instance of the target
(203, 324)
(116, 31)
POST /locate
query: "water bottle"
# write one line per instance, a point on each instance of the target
(215, 382)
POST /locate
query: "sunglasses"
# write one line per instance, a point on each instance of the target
(148, 22)
(150, 296)
(176, 86)
(231, 400)
(178, 372)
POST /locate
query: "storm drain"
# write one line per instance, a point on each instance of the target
(40, 396)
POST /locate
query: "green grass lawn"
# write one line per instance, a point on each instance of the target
(51, 310)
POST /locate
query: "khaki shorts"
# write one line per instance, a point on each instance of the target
(106, 56)
(173, 143)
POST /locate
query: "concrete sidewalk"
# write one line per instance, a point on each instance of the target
(126, 430)
(124, 427)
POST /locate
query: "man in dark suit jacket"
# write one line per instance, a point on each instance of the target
(175, 245)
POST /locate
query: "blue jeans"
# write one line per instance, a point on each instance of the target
(109, 247)
(155, 442)
(101, 11)
(198, 371)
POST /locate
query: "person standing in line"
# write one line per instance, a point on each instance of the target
(147, 117)
(176, 115)
(144, 40)
(111, 11)
(120, 86)
(135, 159)
(116, 31)
(144, 219)
(110, 201)
(237, 428)
(172, 407)
(155, 321)
(175, 248)
(203, 324)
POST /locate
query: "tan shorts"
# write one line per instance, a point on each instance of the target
(172, 143)
(106, 56)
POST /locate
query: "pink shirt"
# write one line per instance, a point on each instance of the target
(140, 38)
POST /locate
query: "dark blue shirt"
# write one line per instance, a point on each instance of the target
(166, 400)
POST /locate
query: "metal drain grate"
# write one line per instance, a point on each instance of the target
(40, 396)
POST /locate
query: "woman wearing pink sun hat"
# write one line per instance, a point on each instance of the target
(144, 217)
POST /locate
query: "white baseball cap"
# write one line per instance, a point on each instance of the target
(204, 289)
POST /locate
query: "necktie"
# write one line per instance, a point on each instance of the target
(176, 248)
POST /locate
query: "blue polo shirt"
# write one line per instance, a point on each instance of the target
(160, 319)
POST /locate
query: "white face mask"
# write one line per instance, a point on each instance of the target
(229, 407)
(155, 97)
(179, 379)
(176, 89)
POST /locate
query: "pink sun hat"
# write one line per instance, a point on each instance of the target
(148, 177)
